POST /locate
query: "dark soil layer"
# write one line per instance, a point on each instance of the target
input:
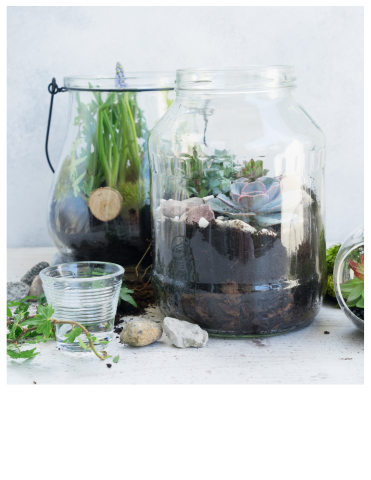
(233, 282)
(358, 312)
(259, 312)
(80, 236)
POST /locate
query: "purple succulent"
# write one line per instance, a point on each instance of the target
(261, 196)
(259, 201)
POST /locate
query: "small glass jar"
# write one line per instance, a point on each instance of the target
(237, 195)
(99, 205)
(349, 277)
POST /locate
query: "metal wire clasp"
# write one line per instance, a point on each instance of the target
(53, 89)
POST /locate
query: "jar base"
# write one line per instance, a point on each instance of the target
(214, 334)
(241, 314)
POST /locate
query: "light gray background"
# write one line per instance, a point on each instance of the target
(325, 44)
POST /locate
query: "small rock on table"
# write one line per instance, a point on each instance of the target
(31, 274)
(36, 287)
(16, 290)
(183, 334)
(139, 333)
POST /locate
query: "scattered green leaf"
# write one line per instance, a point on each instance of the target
(116, 359)
(24, 354)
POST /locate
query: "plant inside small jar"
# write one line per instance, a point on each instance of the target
(109, 150)
(353, 290)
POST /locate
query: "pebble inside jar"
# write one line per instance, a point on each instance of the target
(238, 203)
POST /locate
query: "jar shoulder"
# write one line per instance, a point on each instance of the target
(250, 119)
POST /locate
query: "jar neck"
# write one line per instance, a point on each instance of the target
(282, 94)
(132, 82)
(235, 80)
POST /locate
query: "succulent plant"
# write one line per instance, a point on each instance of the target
(354, 290)
(253, 170)
(258, 202)
(207, 174)
(358, 268)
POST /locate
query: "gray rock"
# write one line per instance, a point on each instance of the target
(31, 274)
(16, 290)
(139, 333)
(36, 286)
(173, 208)
(176, 208)
(183, 334)
(193, 202)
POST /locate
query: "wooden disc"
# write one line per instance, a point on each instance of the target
(105, 203)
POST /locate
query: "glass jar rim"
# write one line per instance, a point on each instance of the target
(44, 273)
(236, 79)
(134, 82)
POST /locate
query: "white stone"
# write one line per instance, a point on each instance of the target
(203, 223)
(205, 199)
(176, 218)
(220, 218)
(221, 223)
(183, 334)
(240, 225)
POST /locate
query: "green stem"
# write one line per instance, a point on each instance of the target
(123, 162)
(102, 154)
(115, 163)
(55, 321)
(129, 132)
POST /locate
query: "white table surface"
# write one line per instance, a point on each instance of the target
(305, 357)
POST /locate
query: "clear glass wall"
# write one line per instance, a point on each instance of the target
(238, 203)
(99, 207)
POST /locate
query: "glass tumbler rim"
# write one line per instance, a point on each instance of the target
(44, 273)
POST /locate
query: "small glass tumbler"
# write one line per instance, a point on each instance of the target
(353, 249)
(87, 293)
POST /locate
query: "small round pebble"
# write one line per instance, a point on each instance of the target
(36, 287)
(139, 333)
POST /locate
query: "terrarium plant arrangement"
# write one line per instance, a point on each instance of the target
(222, 246)
(237, 214)
(354, 290)
(99, 206)
(349, 277)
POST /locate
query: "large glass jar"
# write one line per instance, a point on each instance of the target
(349, 277)
(99, 206)
(237, 194)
